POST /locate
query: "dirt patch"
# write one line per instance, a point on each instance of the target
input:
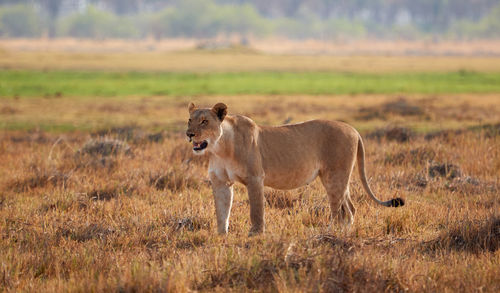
(393, 133)
(399, 107)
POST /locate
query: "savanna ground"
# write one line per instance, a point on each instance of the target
(99, 190)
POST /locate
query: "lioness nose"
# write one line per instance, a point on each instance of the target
(189, 134)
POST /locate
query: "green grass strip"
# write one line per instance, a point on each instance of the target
(71, 83)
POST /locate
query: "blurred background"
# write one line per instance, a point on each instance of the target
(243, 21)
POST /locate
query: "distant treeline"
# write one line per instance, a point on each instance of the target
(320, 19)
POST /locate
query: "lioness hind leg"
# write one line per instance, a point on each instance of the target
(351, 206)
(336, 185)
(347, 210)
(255, 189)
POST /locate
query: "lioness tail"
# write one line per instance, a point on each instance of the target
(395, 202)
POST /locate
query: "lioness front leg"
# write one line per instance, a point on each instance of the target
(223, 196)
(255, 188)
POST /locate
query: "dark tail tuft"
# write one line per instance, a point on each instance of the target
(397, 202)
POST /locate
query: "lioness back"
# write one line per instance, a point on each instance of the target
(291, 153)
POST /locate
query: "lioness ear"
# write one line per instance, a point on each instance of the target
(191, 107)
(220, 110)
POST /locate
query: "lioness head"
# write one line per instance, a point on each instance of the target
(204, 126)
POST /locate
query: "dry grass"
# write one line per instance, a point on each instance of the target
(360, 61)
(111, 116)
(139, 216)
(269, 45)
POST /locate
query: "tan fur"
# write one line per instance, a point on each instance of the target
(281, 157)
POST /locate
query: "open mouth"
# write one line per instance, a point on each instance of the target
(198, 146)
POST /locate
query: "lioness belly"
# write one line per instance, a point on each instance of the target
(290, 179)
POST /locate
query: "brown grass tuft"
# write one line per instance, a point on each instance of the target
(40, 177)
(489, 130)
(105, 147)
(400, 107)
(86, 232)
(37, 136)
(258, 276)
(193, 241)
(416, 156)
(469, 235)
(392, 133)
(91, 162)
(105, 194)
(8, 110)
(396, 224)
(280, 199)
(3, 200)
(174, 180)
(190, 224)
(101, 153)
(446, 170)
(131, 133)
(334, 241)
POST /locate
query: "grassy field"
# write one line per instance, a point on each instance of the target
(99, 190)
(57, 83)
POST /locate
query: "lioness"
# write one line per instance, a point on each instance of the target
(281, 157)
